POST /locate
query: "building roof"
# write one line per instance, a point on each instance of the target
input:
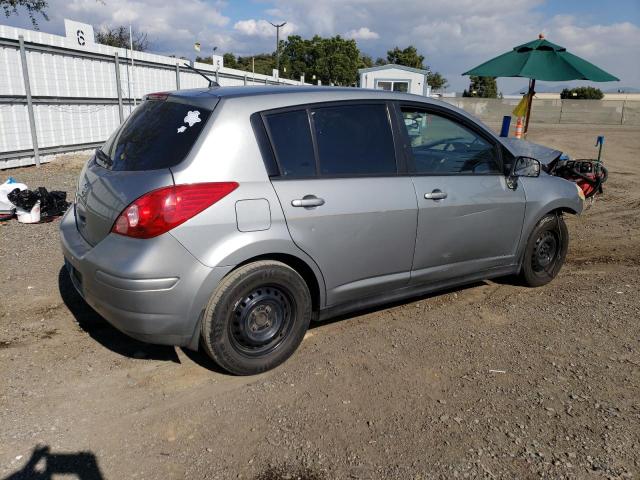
(393, 66)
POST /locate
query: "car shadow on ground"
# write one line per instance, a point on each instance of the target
(105, 334)
(44, 465)
(201, 358)
(385, 306)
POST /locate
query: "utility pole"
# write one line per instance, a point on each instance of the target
(278, 27)
(132, 77)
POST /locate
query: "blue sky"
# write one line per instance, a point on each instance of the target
(595, 11)
(454, 35)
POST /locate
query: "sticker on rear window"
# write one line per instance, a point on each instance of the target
(193, 117)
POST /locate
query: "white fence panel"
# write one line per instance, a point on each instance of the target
(14, 128)
(69, 124)
(148, 80)
(191, 80)
(55, 75)
(11, 82)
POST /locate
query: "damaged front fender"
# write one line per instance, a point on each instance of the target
(523, 148)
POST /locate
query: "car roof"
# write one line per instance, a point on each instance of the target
(328, 93)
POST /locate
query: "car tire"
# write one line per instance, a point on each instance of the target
(256, 318)
(545, 251)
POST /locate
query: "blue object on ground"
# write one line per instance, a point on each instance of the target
(506, 122)
(600, 141)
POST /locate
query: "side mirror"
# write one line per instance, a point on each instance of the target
(522, 167)
(526, 167)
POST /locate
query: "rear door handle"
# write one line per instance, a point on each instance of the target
(435, 195)
(308, 201)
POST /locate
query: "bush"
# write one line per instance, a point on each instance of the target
(582, 93)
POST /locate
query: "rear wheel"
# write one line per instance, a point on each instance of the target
(256, 318)
(545, 251)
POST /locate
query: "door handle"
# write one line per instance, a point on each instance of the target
(435, 195)
(308, 201)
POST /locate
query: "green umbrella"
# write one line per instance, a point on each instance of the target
(540, 60)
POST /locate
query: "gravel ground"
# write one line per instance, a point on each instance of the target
(489, 381)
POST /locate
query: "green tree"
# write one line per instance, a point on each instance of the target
(582, 93)
(332, 60)
(483, 87)
(33, 7)
(436, 81)
(365, 61)
(229, 60)
(409, 57)
(119, 37)
(264, 63)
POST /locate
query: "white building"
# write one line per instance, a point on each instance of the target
(397, 78)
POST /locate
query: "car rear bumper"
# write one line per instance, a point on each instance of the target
(153, 290)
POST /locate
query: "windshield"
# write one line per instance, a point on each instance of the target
(158, 134)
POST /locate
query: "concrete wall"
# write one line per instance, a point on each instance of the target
(607, 96)
(76, 99)
(601, 112)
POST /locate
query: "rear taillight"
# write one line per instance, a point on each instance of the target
(161, 210)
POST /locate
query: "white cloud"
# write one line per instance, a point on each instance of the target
(172, 27)
(262, 28)
(456, 35)
(453, 35)
(363, 33)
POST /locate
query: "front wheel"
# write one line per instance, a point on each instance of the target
(545, 251)
(256, 318)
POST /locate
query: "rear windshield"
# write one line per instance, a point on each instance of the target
(158, 134)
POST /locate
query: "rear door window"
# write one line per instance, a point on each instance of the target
(158, 134)
(342, 140)
(354, 140)
(292, 143)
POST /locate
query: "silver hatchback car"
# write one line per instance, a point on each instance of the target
(232, 217)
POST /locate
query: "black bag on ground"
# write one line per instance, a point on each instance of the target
(52, 204)
(24, 199)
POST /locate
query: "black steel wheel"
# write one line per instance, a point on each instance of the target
(257, 317)
(261, 320)
(545, 251)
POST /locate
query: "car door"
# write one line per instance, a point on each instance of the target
(469, 220)
(344, 203)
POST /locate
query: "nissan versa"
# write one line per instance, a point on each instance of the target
(232, 217)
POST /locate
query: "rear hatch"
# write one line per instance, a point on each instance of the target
(136, 159)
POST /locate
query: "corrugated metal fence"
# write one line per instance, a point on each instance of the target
(56, 98)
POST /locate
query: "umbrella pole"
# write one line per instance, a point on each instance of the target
(532, 86)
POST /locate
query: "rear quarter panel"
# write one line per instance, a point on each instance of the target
(229, 152)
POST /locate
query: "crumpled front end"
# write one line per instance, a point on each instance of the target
(524, 148)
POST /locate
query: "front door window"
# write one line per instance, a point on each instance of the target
(443, 146)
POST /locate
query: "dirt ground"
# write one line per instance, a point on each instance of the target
(490, 381)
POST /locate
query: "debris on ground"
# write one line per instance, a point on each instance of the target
(30, 206)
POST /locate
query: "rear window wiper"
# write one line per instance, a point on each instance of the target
(103, 159)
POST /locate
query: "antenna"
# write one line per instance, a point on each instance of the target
(212, 83)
